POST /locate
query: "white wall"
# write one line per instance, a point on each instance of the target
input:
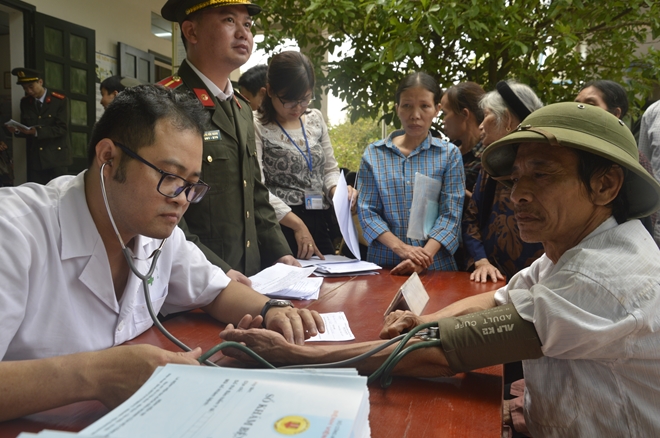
(128, 21)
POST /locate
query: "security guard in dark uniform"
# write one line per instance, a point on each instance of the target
(234, 224)
(46, 116)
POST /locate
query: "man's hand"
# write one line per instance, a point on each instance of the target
(237, 276)
(3, 146)
(17, 129)
(399, 322)
(288, 260)
(483, 269)
(406, 267)
(295, 325)
(120, 371)
(268, 344)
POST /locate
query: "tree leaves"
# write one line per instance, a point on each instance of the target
(554, 46)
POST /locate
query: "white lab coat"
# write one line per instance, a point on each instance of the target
(56, 290)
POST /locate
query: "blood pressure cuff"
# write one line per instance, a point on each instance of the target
(490, 337)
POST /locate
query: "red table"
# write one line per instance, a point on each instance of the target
(466, 405)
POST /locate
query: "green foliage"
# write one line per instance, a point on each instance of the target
(552, 45)
(349, 141)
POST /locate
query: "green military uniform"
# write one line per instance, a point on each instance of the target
(48, 153)
(234, 224)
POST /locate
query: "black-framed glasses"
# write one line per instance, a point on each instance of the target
(291, 104)
(171, 185)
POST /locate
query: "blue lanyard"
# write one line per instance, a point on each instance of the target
(308, 157)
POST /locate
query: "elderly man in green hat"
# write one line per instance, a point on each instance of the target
(585, 317)
(235, 225)
(45, 120)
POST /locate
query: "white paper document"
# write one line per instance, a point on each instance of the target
(336, 328)
(280, 277)
(14, 124)
(329, 259)
(182, 401)
(305, 289)
(344, 218)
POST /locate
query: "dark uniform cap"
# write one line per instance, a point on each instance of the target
(178, 10)
(26, 75)
(584, 127)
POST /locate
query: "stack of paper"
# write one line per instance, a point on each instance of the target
(284, 281)
(340, 266)
(183, 401)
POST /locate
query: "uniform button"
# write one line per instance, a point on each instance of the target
(244, 183)
(248, 243)
(209, 159)
(59, 149)
(120, 327)
(39, 116)
(41, 149)
(247, 214)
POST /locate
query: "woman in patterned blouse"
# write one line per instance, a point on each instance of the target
(386, 178)
(490, 233)
(298, 162)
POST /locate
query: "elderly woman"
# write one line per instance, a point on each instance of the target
(490, 232)
(462, 116)
(386, 178)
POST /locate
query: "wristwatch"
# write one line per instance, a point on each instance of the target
(273, 303)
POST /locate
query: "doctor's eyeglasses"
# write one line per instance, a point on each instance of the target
(171, 185)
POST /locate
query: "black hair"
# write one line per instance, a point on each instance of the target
(419, 79)
(592, 165)
(290, 76)
(254, 79)
(466, 95)
(614, 95)
(112, 84)
(132, 116)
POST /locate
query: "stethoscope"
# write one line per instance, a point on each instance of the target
(130, 256)
(428, 333)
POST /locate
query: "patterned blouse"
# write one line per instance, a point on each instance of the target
(385, 183)
(490, 230)
(285, 169)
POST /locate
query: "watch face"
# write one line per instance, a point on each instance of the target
(281, 303)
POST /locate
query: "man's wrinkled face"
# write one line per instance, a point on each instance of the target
(551, 204)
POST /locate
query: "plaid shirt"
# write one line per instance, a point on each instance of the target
(385, 183)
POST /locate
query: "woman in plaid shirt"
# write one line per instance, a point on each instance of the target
(386, 178)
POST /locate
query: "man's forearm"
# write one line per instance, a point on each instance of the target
(465, 306)
(36, 385)
(425, 362)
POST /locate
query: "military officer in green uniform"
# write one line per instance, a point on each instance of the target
(45, 114)
(235, 225)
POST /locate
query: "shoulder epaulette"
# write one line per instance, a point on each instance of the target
(204, 97)
(58, 95)
(172, 82)
(236, 93)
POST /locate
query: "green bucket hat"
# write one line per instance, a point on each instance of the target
(584, 127)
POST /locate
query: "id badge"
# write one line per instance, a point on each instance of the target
(313, 200)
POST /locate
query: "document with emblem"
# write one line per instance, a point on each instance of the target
(181, 401)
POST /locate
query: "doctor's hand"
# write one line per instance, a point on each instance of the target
(295, 325)
(399, 321)
(118, 372)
